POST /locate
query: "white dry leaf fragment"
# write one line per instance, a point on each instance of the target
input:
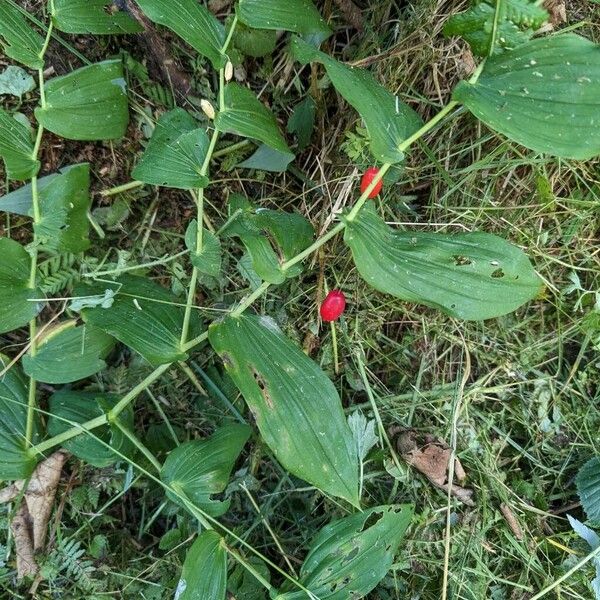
(105, 300)
(363, 432)
(16, 81)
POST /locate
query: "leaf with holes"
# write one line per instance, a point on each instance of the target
(349, 557)
(208, 259)
(389, 121)
(70, 408)
(471, 276)
(16, 462)
(89, 103)
(175, 154)
(18, 39)
(297, 409)
(201, 468)
(16, 148)
(588, 488)
(299, 16)
(192, 22)
(16, 297)
(204, 573)
(92, 16)
(144, 316)
(68, 353)
(544, 95)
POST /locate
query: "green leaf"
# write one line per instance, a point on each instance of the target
(92, 16)
(296, 407)
(208, 259)
(16, 462)
(544, 95)
(20, 202)
(204, 574)
(68, 409)
(144, 316)
(363, 432)
(242, 584)
(588, 488)
(176, 153)
(68, 353)
(271, 237)
(388, 120)
(18, 40)
(246, 115)
(299, 16)
(267, 159)
(302, 122)
(201, 468)
(349, 557)
(16, 148)
(16, 81)
(193, 23)
(15, 294)
(471, 276)
(254, 42)
(89, 103)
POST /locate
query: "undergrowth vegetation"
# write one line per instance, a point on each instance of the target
(232, 366)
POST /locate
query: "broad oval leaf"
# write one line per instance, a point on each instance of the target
(299, 16)
(68, 353)
(588, 488)
(208, 259)
(349, 557)
(16, 462)
(254, 42)
(89, 103)
(144, 316)
(92, 16)
(246, 115)
(192, 22)
(472, 276)
(204, 574)
(18, 39)
(297, 409)
(175, 154)
(544, 95)
(69, 408)
(201, 468)
(16, 297)
(16, 148)
(388, 120)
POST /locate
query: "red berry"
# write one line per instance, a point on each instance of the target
(333, 306)
(366, 180)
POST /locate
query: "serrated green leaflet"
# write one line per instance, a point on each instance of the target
(296, 407)
(204, 574)
(201, 468)
(16, 463)
(69, 408)
(192, 22)
(472, 276)
(144, 316)
(16, 148)
(245, 115)
(92, 16)
(299, 16)
(388, 120)
(544, 95)
(18, 39)
(89, 103)
(208, 259)
(349, 557)
(175, 154)
(68, 353)
(15, 294)
(588, 488)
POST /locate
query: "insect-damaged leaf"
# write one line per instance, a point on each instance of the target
(200, 468)
(296, 407)
(18, 40)
(16, 463)
(89, 103)
(16, 148)
(204, 574)
(471, 276)
(544, 95)
(349, 557)
(299, 16)
(69, 408)
(175, 154)
(389, 121)
(92, 16)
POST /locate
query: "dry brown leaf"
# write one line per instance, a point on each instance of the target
(557, 11)
(431, 457)
(21, 530)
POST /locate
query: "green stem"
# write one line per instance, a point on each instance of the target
(231, 148)
(122, 188)
(138, 444)
(244, 304)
